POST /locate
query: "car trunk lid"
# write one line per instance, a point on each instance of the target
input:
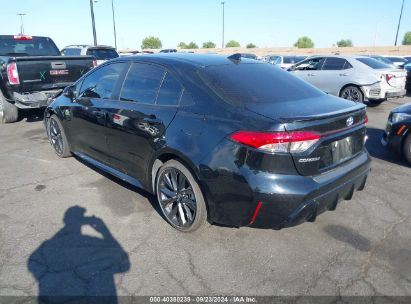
(340, 124)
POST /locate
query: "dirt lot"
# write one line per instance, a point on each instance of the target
(362, 248)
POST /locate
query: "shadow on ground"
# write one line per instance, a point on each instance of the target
(348, 236)
(73, 267)
(377, 150)
(32, 115)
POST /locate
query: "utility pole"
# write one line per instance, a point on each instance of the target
(399, 23)
(114, 24)
(222, 44)
(93, 22)
(21, 23)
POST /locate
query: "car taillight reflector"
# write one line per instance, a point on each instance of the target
(366, 119)
(23, 38)
(13, 74)
(294, 142)
(389, 77)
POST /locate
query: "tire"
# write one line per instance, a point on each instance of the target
(406, 148)
(180, 199)
(353, 93)
(8, 112)
(57, 137)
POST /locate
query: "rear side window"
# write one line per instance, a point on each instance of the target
(332, 64)
(372, 63)
(243, 84)
(142, 83)
(170, 91)
(71, 52)
(102, 82)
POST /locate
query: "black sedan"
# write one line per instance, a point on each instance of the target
(226, 140)
(397, 133)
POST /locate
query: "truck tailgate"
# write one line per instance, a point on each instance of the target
(51, 72)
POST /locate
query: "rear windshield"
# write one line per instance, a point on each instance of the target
(372, 63)
(382, 59)
(102, 54)
(30, 46)
(71, 52)
(397, 59)
(243, 84)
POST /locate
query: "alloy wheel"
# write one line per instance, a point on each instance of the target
(352, 93)
(177, 198)
(56, 136)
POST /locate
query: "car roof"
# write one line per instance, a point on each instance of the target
(88, 46)
(197, 60)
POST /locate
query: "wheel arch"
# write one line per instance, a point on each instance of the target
(352, 85)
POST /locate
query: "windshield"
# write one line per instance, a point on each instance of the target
(246, 83)
(27, 46)
(372, 63)
(102, 54)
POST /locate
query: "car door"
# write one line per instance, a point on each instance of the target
(137, 121)
(310, 70)
(88, 111)
(335, 73)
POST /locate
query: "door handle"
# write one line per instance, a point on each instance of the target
(311, 74)
(344, 74)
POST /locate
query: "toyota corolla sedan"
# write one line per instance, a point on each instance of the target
(357, 78)
(397, 133)
(230, 140)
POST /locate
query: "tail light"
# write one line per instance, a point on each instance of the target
(388, 77)
(22, 38)
(294, 142)
(13, 74)
(366, 119)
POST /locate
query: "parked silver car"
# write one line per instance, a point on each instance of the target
(102, 53)
(357, 78)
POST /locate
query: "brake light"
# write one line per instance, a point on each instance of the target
(388, 77)
(23, 38)
(294, 142)
(366, 119)
(13, 74)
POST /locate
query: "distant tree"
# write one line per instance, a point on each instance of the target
(304, 43)
(345, 43)
(407, 39)
(192, 45)
(251, 46)
(182, 45)
(209, 45)
(232, 44)
(151, 43)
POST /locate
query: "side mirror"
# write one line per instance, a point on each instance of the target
(70, 92)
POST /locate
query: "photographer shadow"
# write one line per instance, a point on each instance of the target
(74, 267)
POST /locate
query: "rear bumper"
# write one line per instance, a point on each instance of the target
(34, 100)
(318, 195)
(379, 92)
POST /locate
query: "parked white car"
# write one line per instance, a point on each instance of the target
(357, 78)
(397, 60)
(102, 53)
(284, 62)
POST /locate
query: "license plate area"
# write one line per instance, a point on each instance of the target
(342, 149)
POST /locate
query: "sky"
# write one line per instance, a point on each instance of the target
(266, 23)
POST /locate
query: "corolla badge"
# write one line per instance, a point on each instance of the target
(350, 121)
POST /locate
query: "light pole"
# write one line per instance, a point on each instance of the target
(399, 23)
(93, 22)
(222, 44)
(21, 23)
(114, 24)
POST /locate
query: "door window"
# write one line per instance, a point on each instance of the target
(312, 64)
(170, 91)
(142, 83)
(333, 64)
(102, 83)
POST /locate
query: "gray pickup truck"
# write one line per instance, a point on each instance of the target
(33, 72)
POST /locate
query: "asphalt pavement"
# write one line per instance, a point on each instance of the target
(67, 227)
